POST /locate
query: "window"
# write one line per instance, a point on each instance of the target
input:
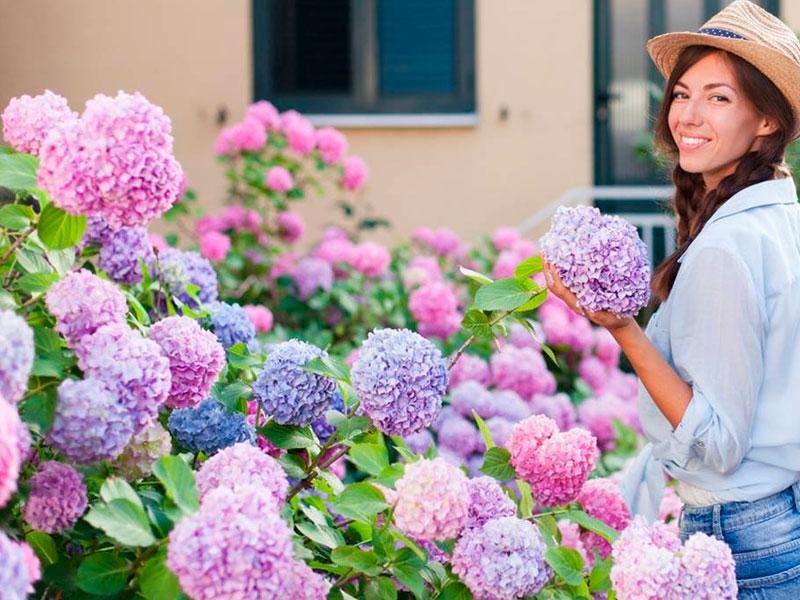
(365, 56)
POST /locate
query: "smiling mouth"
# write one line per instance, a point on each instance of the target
(687, 142)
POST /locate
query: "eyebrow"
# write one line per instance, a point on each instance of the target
(707, 86)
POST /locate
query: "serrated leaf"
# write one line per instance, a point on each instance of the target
(406, 568)
(36, 283)
(18, 171)
(289, 437)
(329, 366)
(360, 501)
(592, 524)
(156, 581)
(58, 230)
(116, 487)
(496, 464)
(293, 465)
(7, 301)
(123, 521)
(380, 588)
(370, 458)
(549, 352)
(16, 217)
(504, 294)
(324, 535)
(348, 427)
(455, 590)
(599, 580)
(475, 276)
(230, 394)
(528, 267)
(477, 323)
(535, 302)
(44, 547)
(549, 527)
(359, 560)
(526, 499)
(32, 260)
(178, 480)
(104, 574)
(567, 564)
(332, 480)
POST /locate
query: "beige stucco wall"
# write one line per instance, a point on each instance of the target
(192, 57)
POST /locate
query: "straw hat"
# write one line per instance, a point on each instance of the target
(749, 31)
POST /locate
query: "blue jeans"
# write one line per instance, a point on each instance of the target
(764, 537)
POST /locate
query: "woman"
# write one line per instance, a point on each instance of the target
(719, 362)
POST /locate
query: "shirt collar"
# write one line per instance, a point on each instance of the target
(772, 191)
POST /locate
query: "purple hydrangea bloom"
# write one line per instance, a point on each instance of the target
(15, 580)
(321, 427)
(81, 302)
(600, 258)
(289, 393)
(27, 120)
(242, 464)
(471, 395)
(97, 232)
(16, 356)
(132, 367)
(522, 370)
(180, 268)
(57, 498)
(500, 428)
(459, 435)
(90, 424)
(420, 441)
(235, 546)
(195, 359)
(504, 559)
(509, 405)
(311, 274)
(209, 427)
(488, 501)
(400, 378)
(123, 253)
(230, 324)
(558, 407)
(469, 367)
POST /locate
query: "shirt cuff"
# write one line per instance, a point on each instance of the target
(685, 442)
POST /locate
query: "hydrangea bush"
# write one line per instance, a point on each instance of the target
(163, 437)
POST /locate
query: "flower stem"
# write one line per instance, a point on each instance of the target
(470, 339)
(17, 242)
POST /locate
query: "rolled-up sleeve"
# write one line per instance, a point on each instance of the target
(717, 338)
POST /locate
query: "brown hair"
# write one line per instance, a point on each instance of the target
(693, 205)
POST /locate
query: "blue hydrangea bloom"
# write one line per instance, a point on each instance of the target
(179, 269)
(400, 378)
(289, 393)
(321, 427)
(209, 427)
(122, 254)
(231, 324)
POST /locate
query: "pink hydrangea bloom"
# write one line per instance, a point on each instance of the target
(671, 505)
(336, 251)
(469, 367)
(606, 347)
(285, 264)
(158, 242)
(81, 302)
(598, 414)
(522, 370)
(441, 241)
(299, 132)
(215, 246)
(432, 500)
(233, 217)
(290, 226)
(601, 499)
(248, 134)
(555, 464)
(421, 270)
(558, 407)
(266, 113)
(505, 264)
(355, 173)
(371, 259)
(432, 302)
(332, 145)
(32, 564)
(260, 316)
(27, 121)
(622, 385)
(279, 179)
(242, 464)
(571, 538)
(593, 371)
(208, 223)
(504, 238)
(10, 426)
(443, 329)
(195, 356)
(520, 337)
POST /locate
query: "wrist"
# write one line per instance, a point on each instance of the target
(624, 329)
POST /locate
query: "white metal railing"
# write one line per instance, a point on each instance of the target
(647, 222)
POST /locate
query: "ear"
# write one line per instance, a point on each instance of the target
(767, 126)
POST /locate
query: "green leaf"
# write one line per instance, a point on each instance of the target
(7, 301)
(16, 216)
(496, 464)
(329, 366)
(116, 487)
(533, 303)
(477, 323)
(455, 590)
(331, 480)
(103, 574)
(40, 409)
(370, 458)
(230, 394)
(18, 171)
(32, 260)
(360, 501)
(549, 527)
(406, 568)
(122, 520)
(592, 524)
(323, 535)
(567, 563)
(485, 433)
(36, 283)
(357, 559)
(526, 502)
(289, 437)
(293, 465)
(44, 547)
(599, 580)
(380, 588)
(549, 352)
(156, 581)
(348, 427)
(62, 260)
(178, 480)
(58, 230)
(504, 294)
(528, 267)
(475, 276)
(390, 475)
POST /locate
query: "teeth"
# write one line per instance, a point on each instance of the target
(693, 141)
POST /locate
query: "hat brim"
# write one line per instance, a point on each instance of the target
(782, 71)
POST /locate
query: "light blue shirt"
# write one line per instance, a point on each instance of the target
(731, 329)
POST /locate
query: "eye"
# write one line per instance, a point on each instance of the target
(676, 95)
(720, 97)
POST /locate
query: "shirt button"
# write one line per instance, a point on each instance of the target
(700, 444)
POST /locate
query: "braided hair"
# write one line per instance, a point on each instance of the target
(693, 204)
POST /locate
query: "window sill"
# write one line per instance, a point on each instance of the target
(395, 121)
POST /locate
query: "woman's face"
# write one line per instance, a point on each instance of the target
(712, 122)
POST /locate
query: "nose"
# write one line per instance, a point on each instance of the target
(690, 112)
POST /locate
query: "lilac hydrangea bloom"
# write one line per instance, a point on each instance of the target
(600, 258)
(470, 367)
(57, 498)
(558, 407)
(97, 232)
(180, 268)
(230, 324)
(133, 367)
(27, 121)
(400, 378)
(16, 355)
(522, 370)
(209, 427)
(123, 252)
(420, 441)
(81, 302)
(312, 274)
(502, 559)
(289, 393)
(509, 405)
(321, 427)
(459, 435)
(15, 580)
(471, 395)
(242, 464)
(488, 501)
(195, 359)
(90, 424)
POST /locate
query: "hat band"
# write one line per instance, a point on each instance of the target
(721, 33)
